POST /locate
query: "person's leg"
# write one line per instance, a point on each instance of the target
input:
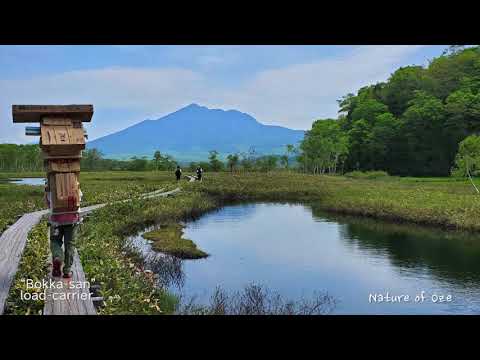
(69, 243)
(56, 235)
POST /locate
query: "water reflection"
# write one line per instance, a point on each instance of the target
(449, 256)
(168, 268)
(28, 181)
(297, 249)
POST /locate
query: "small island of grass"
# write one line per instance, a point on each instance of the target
(168, 239)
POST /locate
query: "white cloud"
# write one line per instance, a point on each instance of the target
(295, 95)
(291, 96)
(147, 91)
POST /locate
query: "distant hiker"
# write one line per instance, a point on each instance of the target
(199, 173)
(178, 173)
(62, 232)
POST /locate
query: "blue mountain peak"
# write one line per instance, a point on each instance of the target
(190, 132)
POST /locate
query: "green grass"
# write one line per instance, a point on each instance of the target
(370, 175)
(33, 265)
(168, 239)
(441, 202)
(17, 200)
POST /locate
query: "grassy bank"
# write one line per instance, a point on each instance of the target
(447, 203)
(168, 239)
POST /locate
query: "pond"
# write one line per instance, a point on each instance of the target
(296, 249)
(28, 181)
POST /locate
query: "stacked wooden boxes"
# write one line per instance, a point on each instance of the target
(62, 139)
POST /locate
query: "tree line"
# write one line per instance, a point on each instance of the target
(28, 158)
(20, 157)
(412, 124)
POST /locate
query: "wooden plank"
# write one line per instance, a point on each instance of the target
(35, 113)
(12, 244)
(69, 297)
(165, 194)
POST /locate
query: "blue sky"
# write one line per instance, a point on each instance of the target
(282, 85)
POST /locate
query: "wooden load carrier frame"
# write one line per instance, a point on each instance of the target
(62, 139)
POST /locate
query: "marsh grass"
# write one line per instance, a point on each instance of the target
(168, 239)
(256, 299)
(16, 200)
(370, 175)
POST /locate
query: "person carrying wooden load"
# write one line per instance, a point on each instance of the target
(178, 173)
(199, 173)
(62, 233)
(62, 139)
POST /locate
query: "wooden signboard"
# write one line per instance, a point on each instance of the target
(35, 113)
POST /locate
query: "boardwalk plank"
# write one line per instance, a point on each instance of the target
(65, 299)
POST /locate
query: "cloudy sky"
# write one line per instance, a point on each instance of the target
(283, 85)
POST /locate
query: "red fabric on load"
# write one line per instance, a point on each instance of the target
(65, 218)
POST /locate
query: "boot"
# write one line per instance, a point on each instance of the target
(57, 267)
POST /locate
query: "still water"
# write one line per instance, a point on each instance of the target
(28, 181)
(295, 250)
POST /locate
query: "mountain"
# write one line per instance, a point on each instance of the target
(190, 133)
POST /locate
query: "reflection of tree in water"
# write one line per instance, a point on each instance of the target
(168, 269)
(233, 212)
(453, 256)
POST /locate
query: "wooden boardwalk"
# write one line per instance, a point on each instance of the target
(69, 297)
(12, 244)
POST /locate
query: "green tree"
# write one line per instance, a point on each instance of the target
(232, 161)
(138, 164)
(215, 163)
(157, 157)
(266, 163)
(426, 137)
(323, 147)
(467, 160)
(285, 158)
(449, 73)
(400, 88)
(91, 159)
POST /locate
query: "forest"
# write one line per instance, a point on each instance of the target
(24, 158)
(410, 125)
